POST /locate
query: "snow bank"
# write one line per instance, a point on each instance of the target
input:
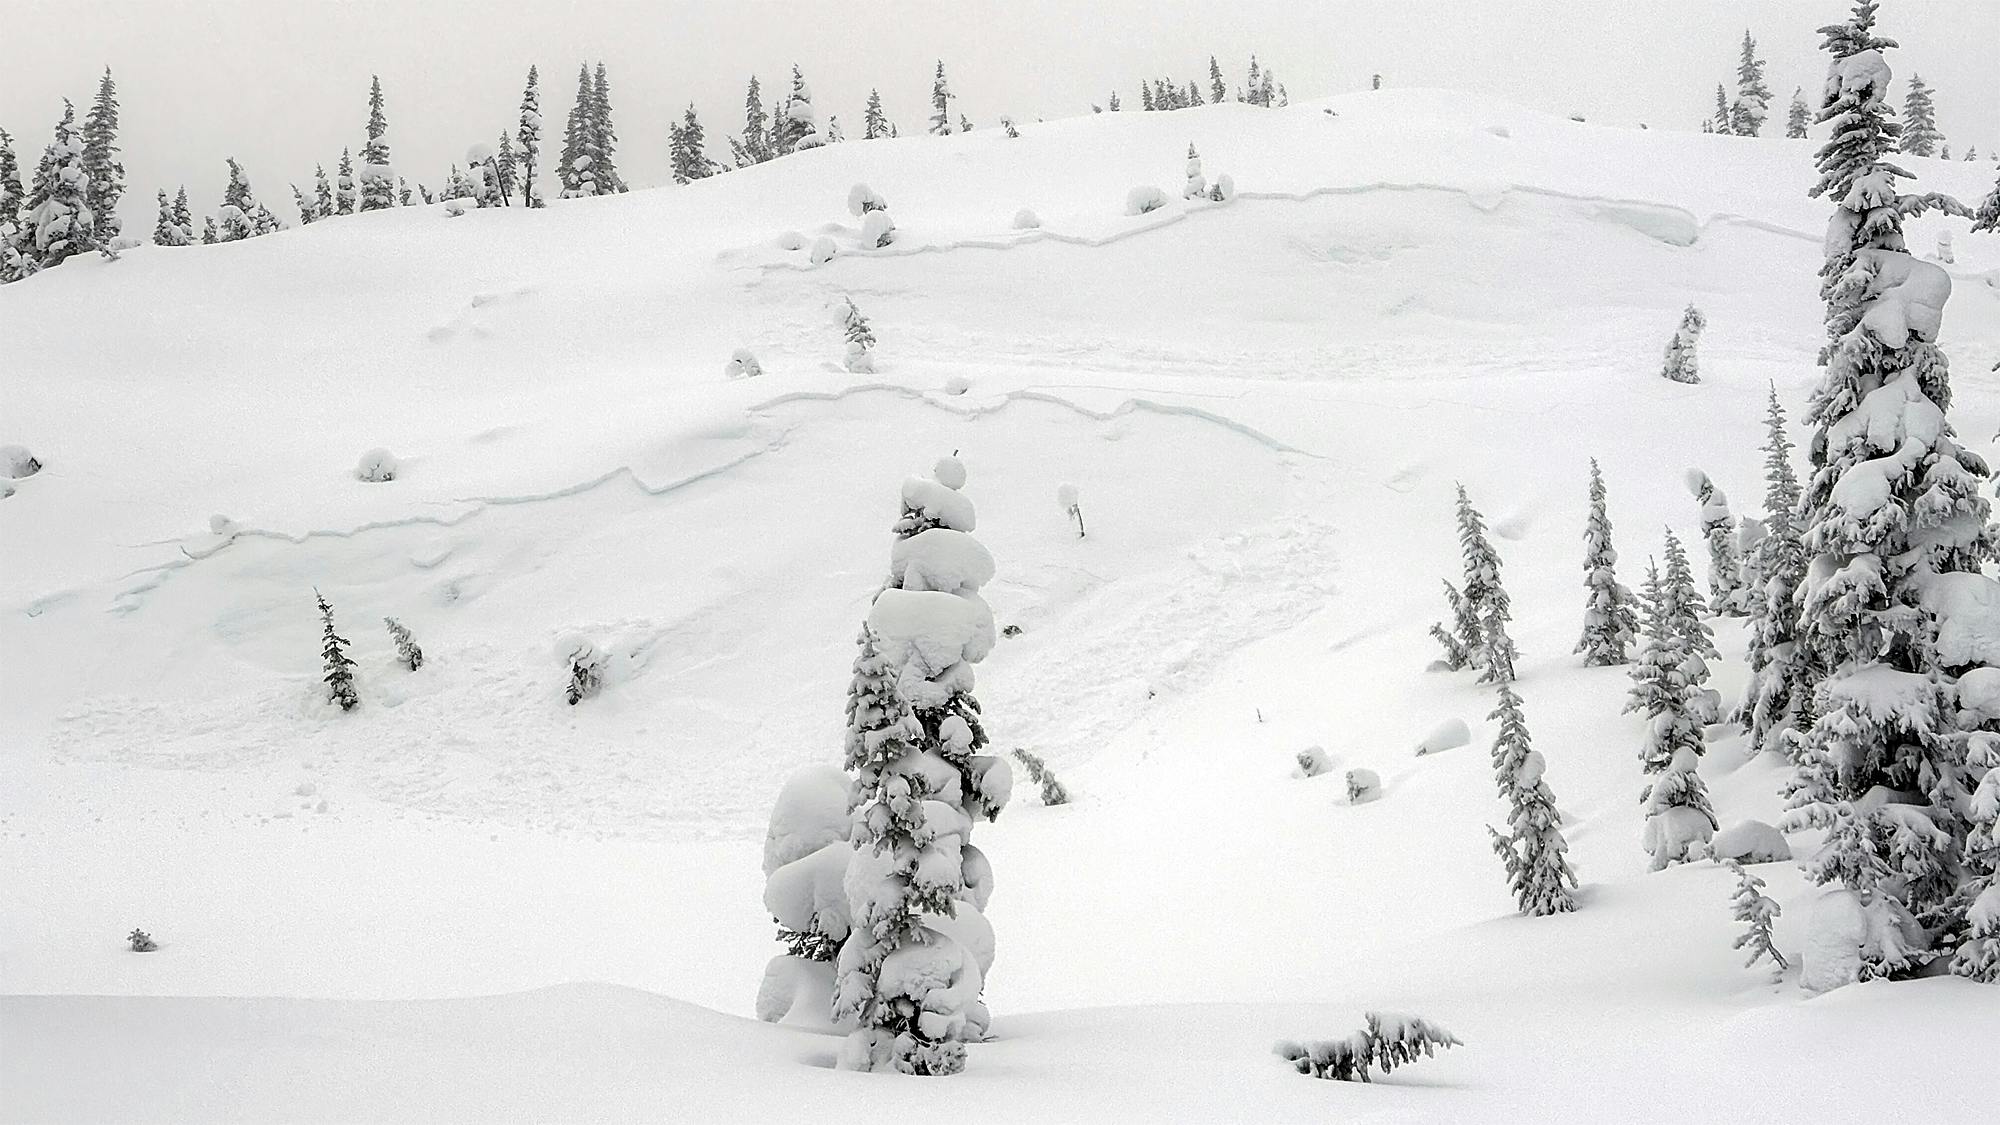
(742, 365)
(823, 250)
(1025, 219)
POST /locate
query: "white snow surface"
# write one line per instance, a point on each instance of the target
(1424, 288)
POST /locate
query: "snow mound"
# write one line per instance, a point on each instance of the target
(1363, 785)
(1750, 841)
(17, 462)
(377, 466)
(1447, 735)
(823, 250)
(877, 230)
(861, 199)
(1144, 198)
(1025, 219)
(810, 813)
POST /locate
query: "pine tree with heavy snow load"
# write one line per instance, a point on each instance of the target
(1753, 97)
(1755, 909)
(1386, 1042)
(1610, 621)
(347, 196)
(1776, 699)
(100, 162)
(603, 138)
(1920, 131)
(907, 977)
(1480, 611)
(1978, 897)
(528, 138)
(1725, 564)
(237, 218)
(1681, 365)
(58, 224)
(688, 149)
(339, 675)
(1667, 690)
(15, 260)
(1897, 530)
(1532, 849)
(378, 178)
(941, 96)
(166, 229)
(1798, 117)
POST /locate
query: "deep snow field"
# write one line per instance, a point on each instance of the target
(469, 901)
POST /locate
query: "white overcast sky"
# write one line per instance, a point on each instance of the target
(282, 84)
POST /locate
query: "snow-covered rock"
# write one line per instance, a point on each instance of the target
(1447, 735)
(376, 466)
(1144, 198)
(1750, 841)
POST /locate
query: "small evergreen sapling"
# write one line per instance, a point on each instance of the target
(406, 645)
(339, 669)
(1755, 909)
(142, 942)
(860, 338)
(1681, 365)
(1387, 1041)
(1053, 791)
(1071, 506)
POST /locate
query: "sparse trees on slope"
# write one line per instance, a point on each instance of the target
(100, 162)
(1609, 620)
(908, 978)
(528, 138)
(1753, 97)
(1776, 700)
(1725, 564)
(1532, 849)
(378, 177)
(688, 149)
(1798, 117)
(1896, 526)
(1920, 131)
(941, 96)
(1682, 365)
(339, 677)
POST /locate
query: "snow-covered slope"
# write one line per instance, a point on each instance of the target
(1265, 405)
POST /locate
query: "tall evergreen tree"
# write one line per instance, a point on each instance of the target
(1481, 610)
(237, 218)
(100, 162)
(1532, 849)
(687, 146)
(574, 170)
(1256, 83)
(941, 96)
(1987, 218)
(755, 145)
(378, 178)
(1799, 117)
(347, 196)
(1920, 131)
(604, 138)
(1146, 97)
(1893, 516)
(1776, 701)
(915, 882)
(507, 166)
(1217, 92)
(322, 193)
(1722, 119)
(1610, 622)
(874, 123)
(339, 675)
(1112, 104)
(209, 237)
(793, 124)
(58, 224)
(13, 236)
(166, 232)
(1666, 689)
(184, 217)
(1753, 97)
(528, 134)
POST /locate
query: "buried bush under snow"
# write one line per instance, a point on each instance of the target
(377, 466)
(1144, 198)
(1387, 1042)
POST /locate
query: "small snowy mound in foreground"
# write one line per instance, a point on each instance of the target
(377, 466)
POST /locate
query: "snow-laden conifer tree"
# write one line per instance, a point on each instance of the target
(573, 169)
(1112, 103)
(874, 123)
(910, 974)
(1987, 218)
(1667, 692)
(1255, 83)
(1532, 849)
(1726, 595)
(14, 241)
(1496, 655)
(1610, 620)
(941, 96)
(58, 222)
(860, 338)
(603, 137)
(1897, 530)
(11, 193)
(339, 677)
(323, 206)
(1755, 909)
(184, 217)
(1217, 92)
(1464, 640)
(796, 119)
(236, 220)
(1146, 97)
(1197, 186)
(100, 162)
(1684, 606)
(1387, 1041)
(688, 149)
(1920, 131)
(347, 196)
(1776, 699)
(528, 139)
(806, 857)
(1681, 365)
(407, 649)
(1978, 896)
(378, 177)
(1799, 116)
(166, 230)
(306, 212)
(209, 237)
(1753, 97)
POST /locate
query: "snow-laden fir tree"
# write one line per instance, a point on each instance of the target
(15, 262)
(1217, 92)
(573, 169)
(322, 193)
(860, 337)
(58, 222)
(1726, 595)
(910, 974)
(1799, 116)
(1920, 131)
(1146, 97)
(1255, 82)
(184, 217)
(687, 149)
(236, 220)
(1112, 103)
(1897, 530)
(755, 145)
(1720, 123)
(528, 139)
(1987, 218)
(1777, 698)
(1978, 897)
(306, 211)
(1756, 910)
(1532, 849)
(1387, 1041)
(339, 676)
(603, 137)
(1753, 97)
(796, 120)
(505, 165)
(874, 123)
(1667, 692)
(209, 237)
(347, 195)
(166, 231)
(100, 162)
(11, 193)
(378, 178)
(1610, 619)
(941, 96)
(1482, 587)
(1197, 186)
(1684, 606)
(407, 650)
(1464, 641)
(1681, 365)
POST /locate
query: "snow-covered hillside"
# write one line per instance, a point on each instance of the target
(467, 900)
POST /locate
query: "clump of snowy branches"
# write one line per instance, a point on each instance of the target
(1053, 790)
(1363, 785)
(1681, 365)
(406, 645)
(1314, 761)
(339, 675)
(1386, 1042)
(586, 669)
(141, 941)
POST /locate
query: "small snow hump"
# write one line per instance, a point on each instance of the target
(1447, 735)
(1144, 198)
(877, 230)
(742, 365)
(950, 472)
(377, 466)
(1363, 785)
(823, 250)
(1024, 219)
(18, 462)
(861, 199)
(791, 240)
